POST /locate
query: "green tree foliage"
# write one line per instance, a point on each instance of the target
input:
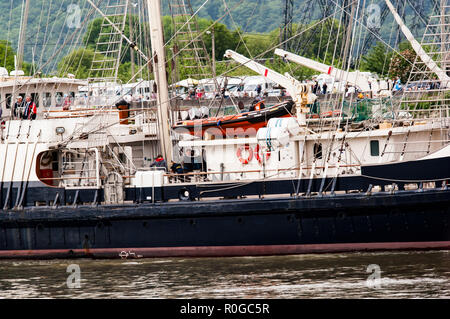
(92, 35)
(47, 29)
(125, 74)
(401, 65)
(253, 16)
(323, 43)
(7, 58)
(258, 44)
(224, 38)
(6, 55)
(318, 41)
(77, 62)
(377, 60)
(299, 72)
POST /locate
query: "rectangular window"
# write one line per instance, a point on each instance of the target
(71, 97)
(317, 149)
(59, 99)
(35, 98)
(374, 148)
(47, 99)
(8, 101)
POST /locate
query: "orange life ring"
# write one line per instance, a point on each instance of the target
(250, 154)
(258, 156)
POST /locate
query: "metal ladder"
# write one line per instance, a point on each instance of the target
(106, 60)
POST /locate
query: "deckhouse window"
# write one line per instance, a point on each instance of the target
(59, 99)
(8, 101)
(47, 99)
(374, 148)
(35, 98)
(317, 149)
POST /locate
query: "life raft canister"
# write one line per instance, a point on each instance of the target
(258, 106)
(250, 154)
(258, 156)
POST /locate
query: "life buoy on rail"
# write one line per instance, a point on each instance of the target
(46, 158)
(250, 154)
(259, 156)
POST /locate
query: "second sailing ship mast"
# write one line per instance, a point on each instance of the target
(23, 31)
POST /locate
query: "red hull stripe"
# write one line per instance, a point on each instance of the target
(330, 69)
(266, 72)
(220, 251)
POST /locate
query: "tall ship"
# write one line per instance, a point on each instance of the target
(275, 179)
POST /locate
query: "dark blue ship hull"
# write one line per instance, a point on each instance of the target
(401, 220)
(307, 216)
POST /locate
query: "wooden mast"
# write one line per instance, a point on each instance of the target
(159, 69)
(130, 24)
(23, 30)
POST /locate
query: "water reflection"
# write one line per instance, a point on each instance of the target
(402, 275)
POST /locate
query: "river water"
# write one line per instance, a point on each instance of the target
(349, 275)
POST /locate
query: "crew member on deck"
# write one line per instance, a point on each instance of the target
(18, 106)
(30, 109)
(176, 168)
(159, 162)
(67, 102)
(258, 89)
(324, 88)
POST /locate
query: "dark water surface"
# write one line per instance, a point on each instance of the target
(352, 275)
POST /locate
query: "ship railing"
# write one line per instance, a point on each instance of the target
(92, 111)
(271, 173)
(78, 181)
(379, 185)
(152, 169)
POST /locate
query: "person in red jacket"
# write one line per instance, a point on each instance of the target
(159, 162)
(30, 109)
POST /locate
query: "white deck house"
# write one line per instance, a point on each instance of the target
(46, 92)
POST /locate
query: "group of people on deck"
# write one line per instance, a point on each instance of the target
(26, 110)
(175, 168)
